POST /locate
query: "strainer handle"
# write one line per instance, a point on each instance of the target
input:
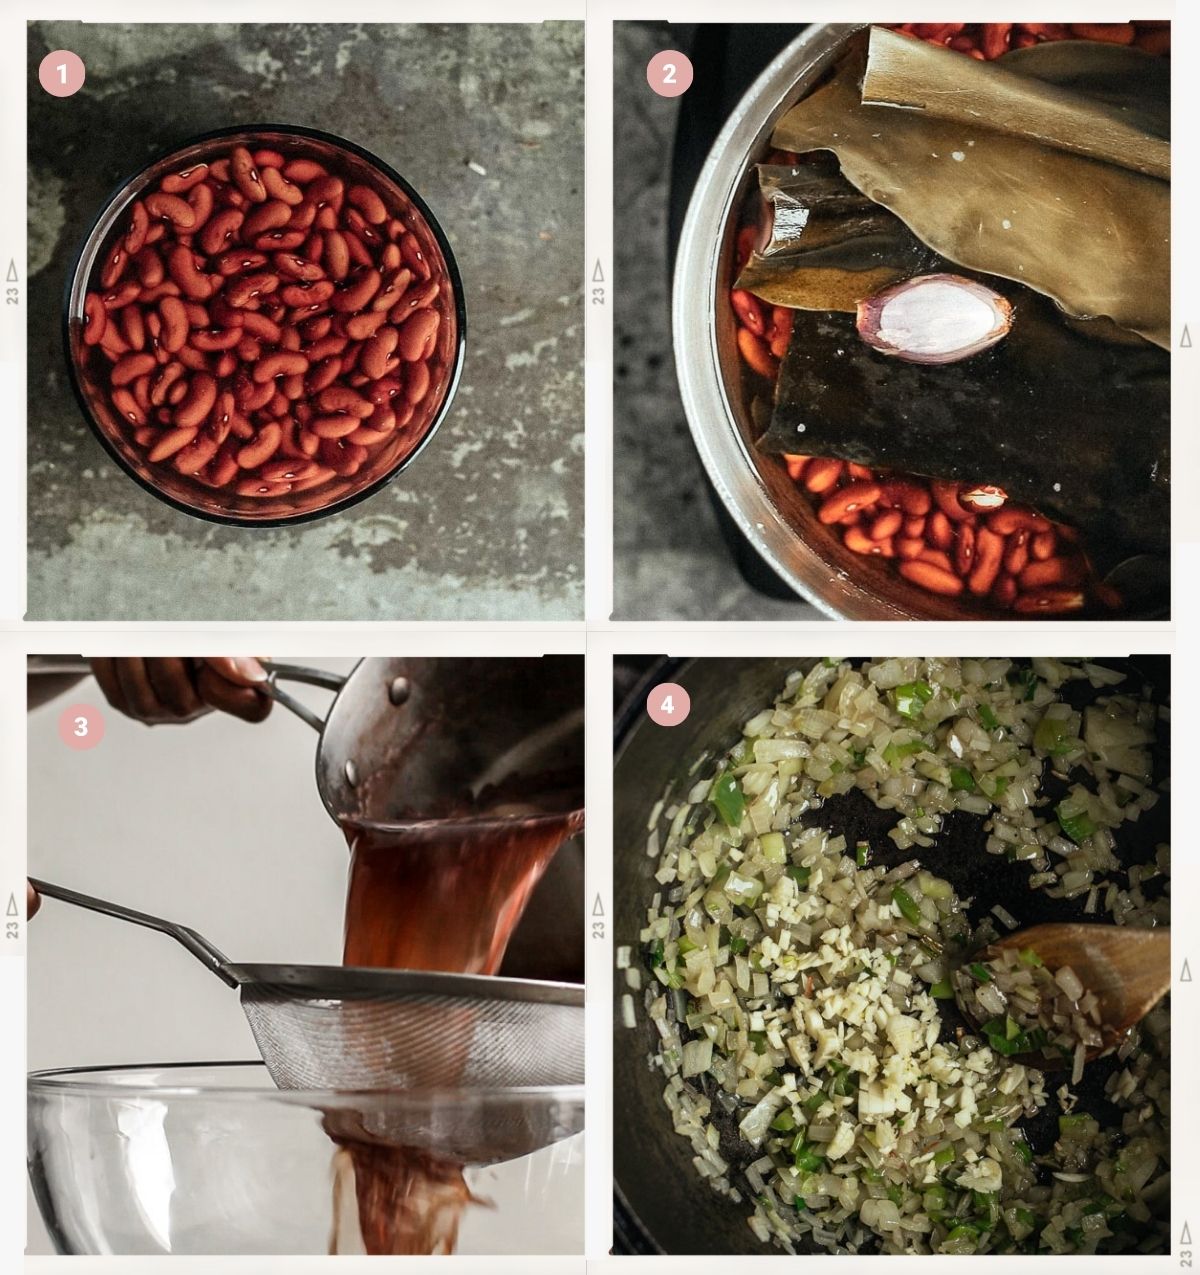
(208, 955)
(309, 677)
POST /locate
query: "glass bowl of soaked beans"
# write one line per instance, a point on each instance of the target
(265, 325)
(865, 542)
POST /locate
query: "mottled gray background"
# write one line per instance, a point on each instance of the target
(488, 523)
(669, 560)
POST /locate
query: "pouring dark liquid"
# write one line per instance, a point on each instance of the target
(445, 895)
(440, 891)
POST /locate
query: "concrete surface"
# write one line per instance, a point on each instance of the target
(488, 523)
(669, 560)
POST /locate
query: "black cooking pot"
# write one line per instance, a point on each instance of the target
(660, 1203)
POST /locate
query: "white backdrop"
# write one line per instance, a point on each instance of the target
(217, 824)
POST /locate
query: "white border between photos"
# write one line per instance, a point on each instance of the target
(602, 638)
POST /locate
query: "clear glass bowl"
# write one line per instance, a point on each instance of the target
(352, 163)
(211, 1158)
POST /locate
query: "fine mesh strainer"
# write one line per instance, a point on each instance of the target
(343, 1028)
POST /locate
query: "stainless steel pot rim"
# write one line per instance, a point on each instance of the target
(82, 1082)
(701, 384)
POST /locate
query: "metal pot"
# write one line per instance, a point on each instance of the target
(413, 734)
(661, 1205)
(761, 499)
(767, 508)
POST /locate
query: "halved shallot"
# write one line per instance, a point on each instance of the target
(934, 318)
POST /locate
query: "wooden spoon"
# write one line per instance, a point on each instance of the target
(1128, 970)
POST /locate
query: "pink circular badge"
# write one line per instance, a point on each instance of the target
(668, 704)
(669, 73)
(81, 726)
(62, 73)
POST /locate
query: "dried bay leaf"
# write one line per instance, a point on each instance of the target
(830, 245)
(1051, 93)
(1093, 236)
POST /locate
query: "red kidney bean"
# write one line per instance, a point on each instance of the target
(133, 327)
(903, 493)
(822, 474)
(114, 268)
(337, 426)
(749, 311)
(213, 339)
(95, 319)
(131, 367)
(1052, 571)
(139, 226)
(357, 291)
(172, 441)
(362, 326)
(149, 267)
(989, 550)
(414, 258)
(417, 335)
(122, 296)
(931, 577)
(199, 400)
(367, 201)
(340, 399)
(857, 541)
(416, 383)
(278, 187)
(163, 382)
(939, 531)
(1016, 518)
(181, 266)
(1042, 545)
(112, 344)
(418, 297)
(260, 326)
(964, 549)
(282, 362)
(262, 448)
(245, 175)
(755, 352)
(780, 331)
(937, 558)
(851, 498)
(197, 454)
(376, 358)
(200, 201)
(266, 217)
(177, 183)
(363, 436)
(909, 547)
(395, 285)
(1016, 555)
(170, 208)
(174, 324)
(945, 496)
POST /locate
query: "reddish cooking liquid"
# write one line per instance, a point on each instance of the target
(445, 895)
(440, 894)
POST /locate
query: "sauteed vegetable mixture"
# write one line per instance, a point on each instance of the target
(803, 994)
